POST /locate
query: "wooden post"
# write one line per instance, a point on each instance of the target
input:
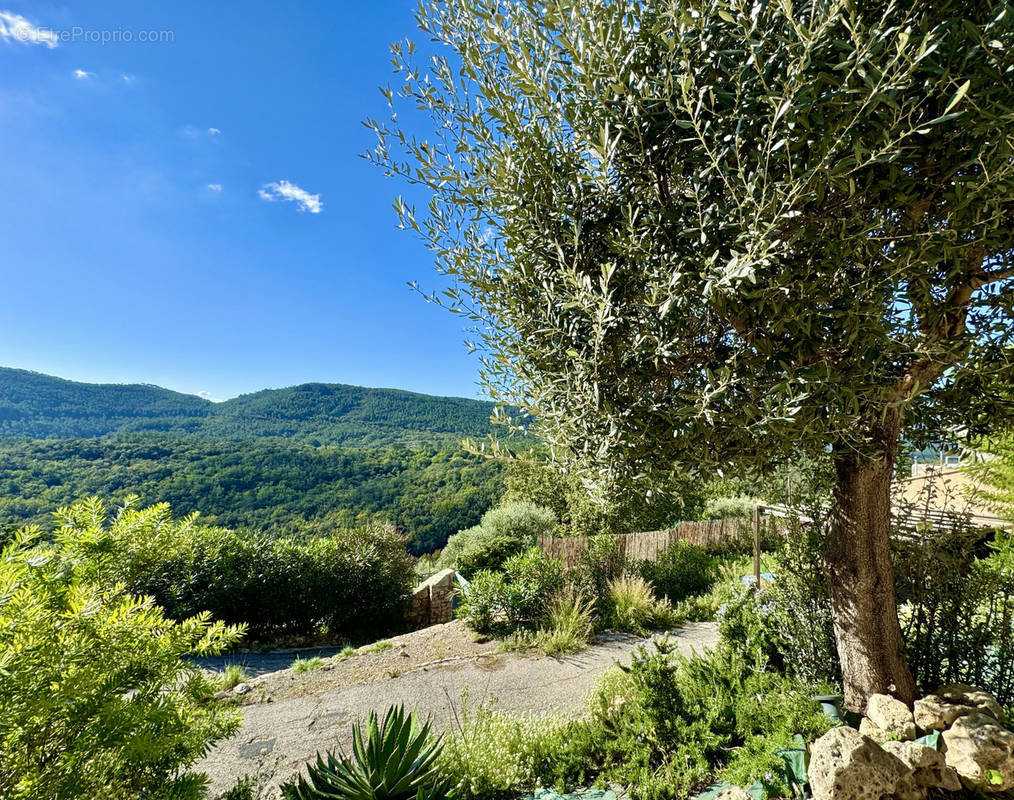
(756, 546)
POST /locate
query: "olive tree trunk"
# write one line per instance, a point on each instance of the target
(866, 626)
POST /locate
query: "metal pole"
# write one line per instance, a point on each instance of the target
(756, 545)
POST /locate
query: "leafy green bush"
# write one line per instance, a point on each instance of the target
(348, 584)
(681, 570)
(679, 723)
(516, 598)
(600, 563)
(503, 532)
(396, 760)
(957, 608)
(97, 700)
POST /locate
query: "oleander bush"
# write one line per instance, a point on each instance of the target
(96, 698)
(347, 585)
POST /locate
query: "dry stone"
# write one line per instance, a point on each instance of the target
(891, 716)
(845, 765)
(929, 768)
(981, 751)
(937, 711)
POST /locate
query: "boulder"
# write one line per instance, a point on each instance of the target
(241, 688)
(981, 751)
(937, 711)
(845, 765)
(868, 728)
(891, 716)
(929, 767)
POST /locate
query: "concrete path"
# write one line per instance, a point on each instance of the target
(278, 737)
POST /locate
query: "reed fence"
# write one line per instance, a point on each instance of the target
(713, 534)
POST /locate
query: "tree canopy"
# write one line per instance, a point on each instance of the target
(717, 231)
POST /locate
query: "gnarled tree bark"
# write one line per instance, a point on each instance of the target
(858, 553)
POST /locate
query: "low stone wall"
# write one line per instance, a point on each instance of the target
(431, 602)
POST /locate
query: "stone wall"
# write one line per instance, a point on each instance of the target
(431, 602)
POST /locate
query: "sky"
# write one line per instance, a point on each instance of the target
(182, 200)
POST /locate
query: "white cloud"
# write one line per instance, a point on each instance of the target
(284, 190)
(14, 27)
(128, 79)
(215, 187)
(214, 131)
(83, 74)
(208, 396)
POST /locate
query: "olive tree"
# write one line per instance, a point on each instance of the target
(718, 232)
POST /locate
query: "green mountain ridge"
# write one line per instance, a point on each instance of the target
(38, 406)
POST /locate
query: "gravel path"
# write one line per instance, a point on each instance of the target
(288, 719)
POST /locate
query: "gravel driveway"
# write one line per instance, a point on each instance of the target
(280, 734)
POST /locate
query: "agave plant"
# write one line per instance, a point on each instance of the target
(397, 760)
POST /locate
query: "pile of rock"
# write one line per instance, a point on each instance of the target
(881, 760)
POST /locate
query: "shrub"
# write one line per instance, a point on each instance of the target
(516, 598)
(347, 584)
(567, 628)
(396, 760)
(496, 756)
(97, 700)
(957, 608)
(503, 532)
(740, 506)
(681, 570)
(600, 563)
(683, 722)
(631, 602)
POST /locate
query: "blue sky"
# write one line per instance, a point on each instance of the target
(192, 212)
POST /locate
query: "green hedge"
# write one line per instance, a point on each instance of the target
(350, 584)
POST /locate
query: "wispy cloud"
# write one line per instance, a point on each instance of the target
(284, 190)
(214, 131)
(208, 396)
(15, 28)
(128, 79)
(83, 75)
(215, 187)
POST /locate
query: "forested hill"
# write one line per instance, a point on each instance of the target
(274, 485)
(41, 406)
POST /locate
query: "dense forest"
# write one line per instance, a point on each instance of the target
(40, 406)
(274, 485)
(284, 461)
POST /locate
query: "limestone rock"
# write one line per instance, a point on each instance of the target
(929, 768)
(241, 688)
(981, 751)
(868, 728)
(891, 716)
(845, 765)
(937, 711)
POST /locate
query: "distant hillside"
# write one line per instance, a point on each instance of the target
(39, 406)
(275, 485)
